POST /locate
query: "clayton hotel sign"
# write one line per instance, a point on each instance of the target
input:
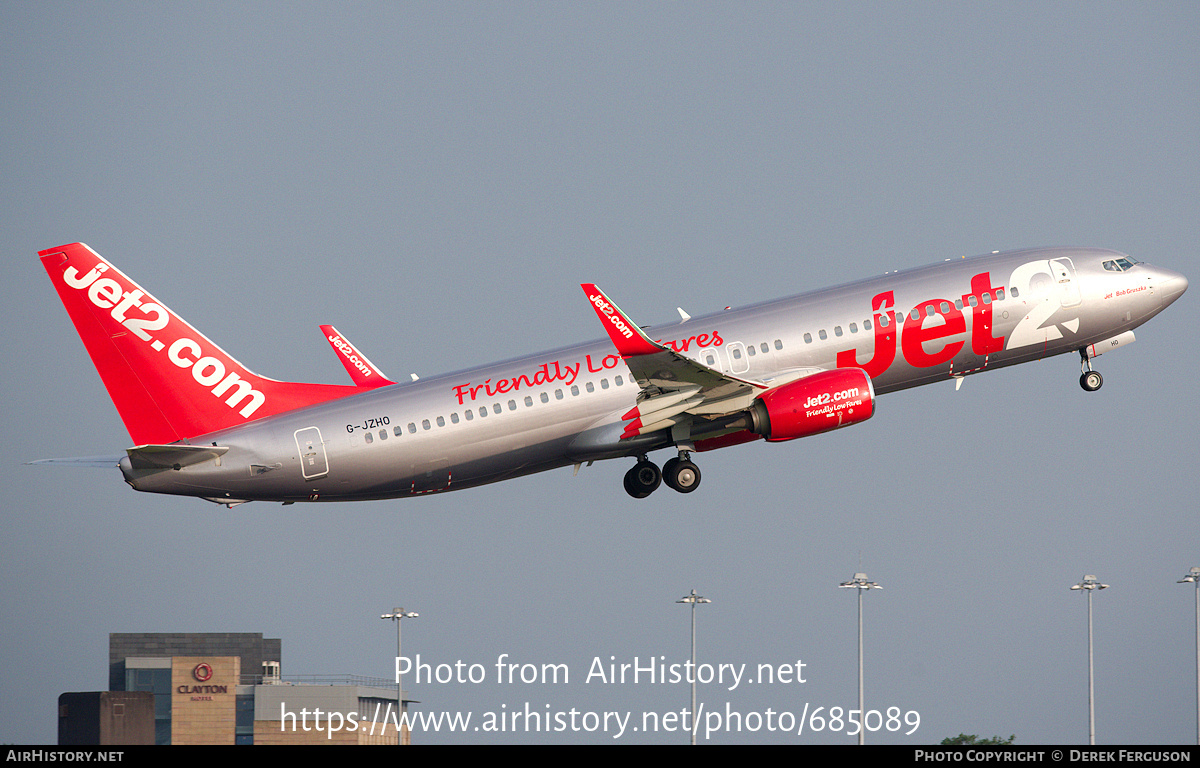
(204, 699)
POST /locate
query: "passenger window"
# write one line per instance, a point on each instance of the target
(496, 408)
(808, 338)
(412, 428)
(545, 397)
(958, 304)
(603, 383)
(822, 335)
(528, 401)
(441, 421)
(750, 350)
(736, 353)
(383, 434)
(987, 298)
(619, 380)
(778, 344)
(369, 438)
(512, 405)
(558, 395)
(454, 418)
(867, 323)
(1013, 292)
(853, 327)
(470, 415)
(972, 300)
(837, 330)
(574, 390)
(482, 411)
(765, 349)
(590, 387)
(397, 431)
(999, 294)
(425, 424)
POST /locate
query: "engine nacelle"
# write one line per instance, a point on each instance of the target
(815, 404)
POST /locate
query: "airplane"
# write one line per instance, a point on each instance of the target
(204, 425)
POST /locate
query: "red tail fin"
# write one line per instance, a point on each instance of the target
(167, 380)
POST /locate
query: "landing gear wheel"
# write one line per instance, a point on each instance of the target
(1091, 381)
(642, 479)
(681, 475)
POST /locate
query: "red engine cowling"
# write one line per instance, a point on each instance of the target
(815, 404)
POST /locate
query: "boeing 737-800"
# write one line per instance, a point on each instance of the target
(203, 425)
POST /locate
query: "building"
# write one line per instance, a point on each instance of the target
(227, 688)
(106, 717)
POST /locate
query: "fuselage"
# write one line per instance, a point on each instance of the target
(566, 406)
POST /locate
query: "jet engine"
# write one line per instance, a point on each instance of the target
(818, 403)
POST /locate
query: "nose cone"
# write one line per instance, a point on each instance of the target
(1169, 286)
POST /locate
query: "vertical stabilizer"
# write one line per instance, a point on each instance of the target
(167, 380)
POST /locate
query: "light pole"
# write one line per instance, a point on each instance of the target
(693, 598)
(1090, 584)
(1193, 577)
(860, 583)
(396, 615)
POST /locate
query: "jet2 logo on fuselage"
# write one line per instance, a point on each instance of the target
(944, 321)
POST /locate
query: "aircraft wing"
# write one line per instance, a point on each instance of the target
(671, 383)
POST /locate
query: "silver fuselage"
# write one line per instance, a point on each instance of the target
(565, 406)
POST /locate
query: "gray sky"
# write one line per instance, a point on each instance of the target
(437, 179)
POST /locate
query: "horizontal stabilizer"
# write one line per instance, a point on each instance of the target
(104, 462)
(172, 456)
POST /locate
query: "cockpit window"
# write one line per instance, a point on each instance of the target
(1119, 265)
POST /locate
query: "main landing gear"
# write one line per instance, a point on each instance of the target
(1090, 380)
(678, 473)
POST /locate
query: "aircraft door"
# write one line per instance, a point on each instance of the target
(313, 461)
(1064, 273)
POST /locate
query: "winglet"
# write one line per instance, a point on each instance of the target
(361, 370)
(628, 338)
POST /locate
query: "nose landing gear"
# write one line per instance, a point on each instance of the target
(1090, 380)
